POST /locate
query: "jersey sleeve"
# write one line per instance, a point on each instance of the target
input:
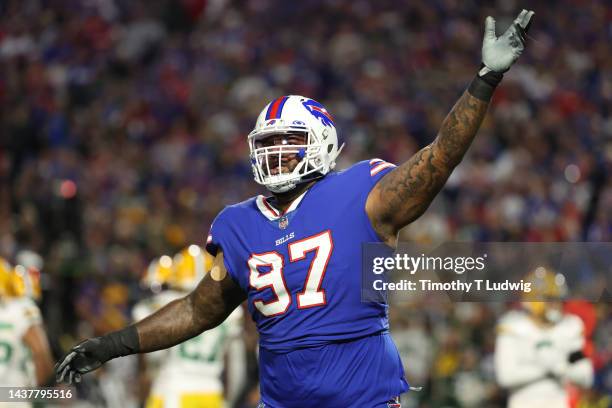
(213, 241)
(27, 315)
(219, 239)
(378, 168)
(364, 175)
(355, 184)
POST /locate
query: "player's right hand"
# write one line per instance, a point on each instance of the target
(82, 358)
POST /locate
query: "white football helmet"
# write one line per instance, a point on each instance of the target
(290, 115)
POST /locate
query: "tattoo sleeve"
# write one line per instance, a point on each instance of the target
(405, 193)
(203, 309)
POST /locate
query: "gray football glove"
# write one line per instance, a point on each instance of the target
(499, 53)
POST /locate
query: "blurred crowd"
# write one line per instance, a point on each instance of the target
(123, 130)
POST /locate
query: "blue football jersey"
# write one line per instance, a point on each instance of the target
(319, 344)
(302, 269)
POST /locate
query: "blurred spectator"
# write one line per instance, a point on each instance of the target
(124, 130)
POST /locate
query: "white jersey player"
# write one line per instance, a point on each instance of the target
(25, 357)
(155, 280)
(539, 348)
(190, 373)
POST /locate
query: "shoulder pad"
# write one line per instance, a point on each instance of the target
(514, 322)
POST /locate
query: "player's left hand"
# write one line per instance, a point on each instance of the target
(499, 53)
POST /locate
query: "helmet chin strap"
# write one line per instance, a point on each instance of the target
(283, 200)
(286, 186)
(291, 185)
(282, 187)
(339, 150)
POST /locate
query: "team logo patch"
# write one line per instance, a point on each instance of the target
(283, 222)
(318, 111)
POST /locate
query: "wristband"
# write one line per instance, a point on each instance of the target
(122, 342)
(575, 356)
(483, 85)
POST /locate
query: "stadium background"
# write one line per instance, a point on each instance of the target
(123, 132)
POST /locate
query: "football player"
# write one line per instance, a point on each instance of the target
(25, 355)
(295, 256)
(189, 375)
(539, 349)
(26, 283)
(155, 280)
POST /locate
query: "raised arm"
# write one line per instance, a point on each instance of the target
(204, 308)
(405, 193)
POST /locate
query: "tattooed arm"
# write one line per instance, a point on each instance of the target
(405, 193)
(205, 308)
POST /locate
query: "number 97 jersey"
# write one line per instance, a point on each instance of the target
(302, 269)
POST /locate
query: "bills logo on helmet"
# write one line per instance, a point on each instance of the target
(318, 111)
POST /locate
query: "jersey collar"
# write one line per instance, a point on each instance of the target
(272, 213)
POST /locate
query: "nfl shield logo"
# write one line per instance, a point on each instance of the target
(283, 223)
